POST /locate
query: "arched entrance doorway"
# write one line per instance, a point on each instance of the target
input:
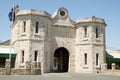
(61, 60)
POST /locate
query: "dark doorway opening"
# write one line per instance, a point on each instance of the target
(61, 60)
(2, 62)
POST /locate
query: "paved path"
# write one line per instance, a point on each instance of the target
(60, 76)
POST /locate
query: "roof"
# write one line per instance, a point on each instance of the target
(5, 42)
(6, 50)
(35, 12)
(113, 53)
(92, 19)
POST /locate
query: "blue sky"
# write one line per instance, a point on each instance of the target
(109, 10)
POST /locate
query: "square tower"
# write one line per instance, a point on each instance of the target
(90, 44)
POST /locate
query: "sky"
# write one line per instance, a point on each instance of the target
(109, 10)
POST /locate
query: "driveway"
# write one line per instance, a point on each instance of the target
(60, 76)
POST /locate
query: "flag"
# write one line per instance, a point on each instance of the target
(12, 13)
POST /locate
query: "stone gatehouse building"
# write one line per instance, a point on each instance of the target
(57, 42)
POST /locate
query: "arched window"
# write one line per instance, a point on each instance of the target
(37, 27)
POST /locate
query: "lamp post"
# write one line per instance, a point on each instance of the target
(10, 55)
(8, 63)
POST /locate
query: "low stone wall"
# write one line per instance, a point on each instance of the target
(19, 72)
(25, 71)
(33, 71)
(2, 71)
(111, 72)
(30, 69)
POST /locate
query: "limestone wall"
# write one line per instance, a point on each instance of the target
(29, 41)
(55, 32)
(64, 37)
(88, 43)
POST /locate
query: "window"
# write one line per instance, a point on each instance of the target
(85, 32)
(35, 55)
(62, 13)
(37, 27)
(22, 57)
(24, 26)
(85, 56)
(97, 57)
(96, 32)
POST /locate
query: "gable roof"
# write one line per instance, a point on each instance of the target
(113, 53)
(5, 42)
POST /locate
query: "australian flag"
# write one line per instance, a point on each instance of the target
(11, 15)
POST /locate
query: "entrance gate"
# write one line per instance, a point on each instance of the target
(61, 60)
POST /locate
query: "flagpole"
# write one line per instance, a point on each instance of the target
(10, 39)
(13, 13)
(10, 53)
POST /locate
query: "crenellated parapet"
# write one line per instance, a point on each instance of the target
(92, 19)
(33, 12)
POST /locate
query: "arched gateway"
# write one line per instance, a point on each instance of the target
(85, 39)
(61, 60)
